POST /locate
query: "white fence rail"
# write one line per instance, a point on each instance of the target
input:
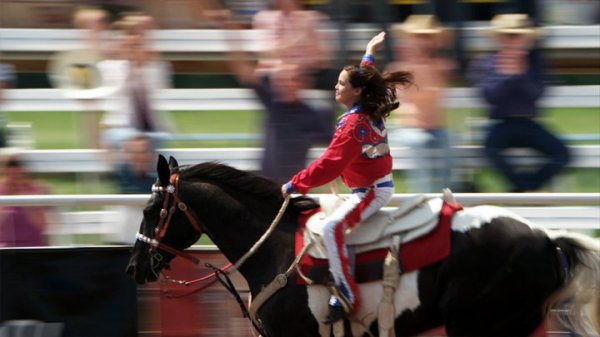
(571, 211)
(586, 96)
(244, 158)
(467, 199)
(208, 43)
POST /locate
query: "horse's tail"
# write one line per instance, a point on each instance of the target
(581, 291)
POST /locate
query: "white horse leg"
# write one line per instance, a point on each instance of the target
(405, 298)
(318, 297)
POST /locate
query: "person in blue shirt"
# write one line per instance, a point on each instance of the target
(511, 81)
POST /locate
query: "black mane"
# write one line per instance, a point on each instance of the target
(224, 175)
(248, 182)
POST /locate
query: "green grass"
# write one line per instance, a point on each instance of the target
(562, 121)
(64, 130)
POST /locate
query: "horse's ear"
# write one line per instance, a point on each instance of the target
(162, 168)
(173, 165)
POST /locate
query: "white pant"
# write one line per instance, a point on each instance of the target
(358, 207)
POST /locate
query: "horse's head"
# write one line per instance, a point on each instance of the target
(233, 207)
(158, 240)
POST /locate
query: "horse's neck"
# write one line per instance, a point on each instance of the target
(235, 230)
(236, 221)
(270, 259)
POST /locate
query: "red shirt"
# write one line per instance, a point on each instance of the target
(359, 153)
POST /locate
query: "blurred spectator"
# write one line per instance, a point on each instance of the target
(137, 74)
(292, 37)
(511, 81)
(291, 125)
(96, 23)
(83, 75)
(421, 117)
(21, 226)
(294, 53)
(136, 174)
(7, 78)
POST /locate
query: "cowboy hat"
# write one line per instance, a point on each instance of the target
(518, 24)
(423, 25)
(419, 24)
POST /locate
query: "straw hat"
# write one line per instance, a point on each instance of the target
(419, 24)
(519, 24)
(425, 25)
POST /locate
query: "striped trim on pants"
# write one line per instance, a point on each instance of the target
(363, 203)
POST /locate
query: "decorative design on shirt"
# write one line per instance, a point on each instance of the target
(375, 150)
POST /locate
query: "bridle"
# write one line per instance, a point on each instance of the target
(169, 208)
(166, 215)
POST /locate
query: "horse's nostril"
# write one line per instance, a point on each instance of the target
(130, 269)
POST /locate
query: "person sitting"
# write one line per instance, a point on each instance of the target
(135, 174)
(21, 226)
(360, 154)
(511, 81)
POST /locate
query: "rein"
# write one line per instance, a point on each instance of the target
(266, 234)
(220, 275)
(241, 260)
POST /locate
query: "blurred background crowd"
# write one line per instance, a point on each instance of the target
(288, 54)
(91, 91)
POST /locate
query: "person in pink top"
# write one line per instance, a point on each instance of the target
(21, 226)
(360, 155)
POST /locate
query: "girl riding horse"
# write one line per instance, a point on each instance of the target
(360, 154)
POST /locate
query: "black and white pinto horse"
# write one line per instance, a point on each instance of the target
(500, 279)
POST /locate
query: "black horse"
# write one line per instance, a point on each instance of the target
(500, 279)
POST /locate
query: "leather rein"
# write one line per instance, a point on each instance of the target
(166, 215)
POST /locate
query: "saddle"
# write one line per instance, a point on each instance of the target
(414, 218)
(412, 229)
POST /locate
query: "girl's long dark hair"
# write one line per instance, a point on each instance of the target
(378, 91)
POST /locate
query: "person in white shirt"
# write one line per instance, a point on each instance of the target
(137, 74)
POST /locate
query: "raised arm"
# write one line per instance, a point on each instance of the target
(375, 43)
(240, 63)
(372, 47)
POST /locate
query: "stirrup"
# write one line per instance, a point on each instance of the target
(340, 306)
(335, 314)
(337, 295)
